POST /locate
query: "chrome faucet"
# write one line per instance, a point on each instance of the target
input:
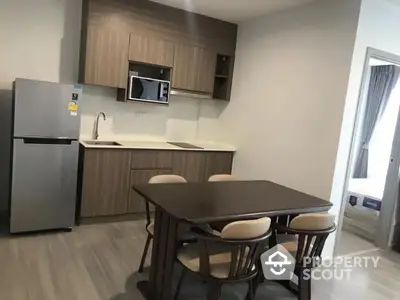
(96, 125)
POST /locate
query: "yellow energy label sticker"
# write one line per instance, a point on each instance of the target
(72, 106)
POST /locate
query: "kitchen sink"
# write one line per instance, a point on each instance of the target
(102, 143)
(185, 145)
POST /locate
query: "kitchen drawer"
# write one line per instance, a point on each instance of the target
(151, 159)
(136, 203)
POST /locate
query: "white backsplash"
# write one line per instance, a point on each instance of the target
(185, 119)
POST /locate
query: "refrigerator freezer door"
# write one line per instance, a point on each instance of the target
(45, 109)
(44, 182)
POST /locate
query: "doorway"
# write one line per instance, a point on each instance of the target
(370, 196)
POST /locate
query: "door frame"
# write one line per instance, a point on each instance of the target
(388, 207)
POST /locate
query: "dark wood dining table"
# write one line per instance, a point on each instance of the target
(208, 202)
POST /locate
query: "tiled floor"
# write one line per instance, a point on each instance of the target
(99, 262)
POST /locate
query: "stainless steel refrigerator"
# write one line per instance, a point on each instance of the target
(45, 155)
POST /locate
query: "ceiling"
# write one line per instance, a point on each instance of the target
(379, 62)
(234, 10)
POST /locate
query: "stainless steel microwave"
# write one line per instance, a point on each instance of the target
(148, 89)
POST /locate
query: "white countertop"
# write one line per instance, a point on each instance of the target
(207, 146)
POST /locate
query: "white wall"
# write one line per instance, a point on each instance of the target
(178, 121)
(40, 40)
(378, 28)
(289, 90)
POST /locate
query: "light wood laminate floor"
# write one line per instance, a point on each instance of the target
(99, 262)
(351, 243)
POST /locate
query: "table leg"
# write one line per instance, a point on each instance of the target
(159, 285)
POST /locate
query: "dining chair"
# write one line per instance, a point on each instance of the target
(218, 226)
(222, 177)
(159, 179)
(228, 258)
(304, 239)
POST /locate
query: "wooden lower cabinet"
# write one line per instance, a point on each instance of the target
(199, 166)
(190, 165)
(136, 203)
(108, 176)
(151, 159)
(105, 186)
(218, 163)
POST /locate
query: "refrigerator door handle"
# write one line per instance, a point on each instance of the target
(47, 141)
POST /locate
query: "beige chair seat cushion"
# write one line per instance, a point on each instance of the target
(289, 242)
(220, 259)
(222, 177)
(314, 221)
(160, 179)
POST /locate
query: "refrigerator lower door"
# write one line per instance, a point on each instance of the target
(44, 181)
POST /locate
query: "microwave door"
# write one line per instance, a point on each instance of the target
(136, 89)
(161, 91)
(148, 90)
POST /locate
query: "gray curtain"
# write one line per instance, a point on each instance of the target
(382, 82)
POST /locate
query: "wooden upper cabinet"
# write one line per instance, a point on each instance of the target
(184, 75)
(151, 49)
(194, 68)
(207, 62)
(152, 33)
(106, 57)
(105, 186)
